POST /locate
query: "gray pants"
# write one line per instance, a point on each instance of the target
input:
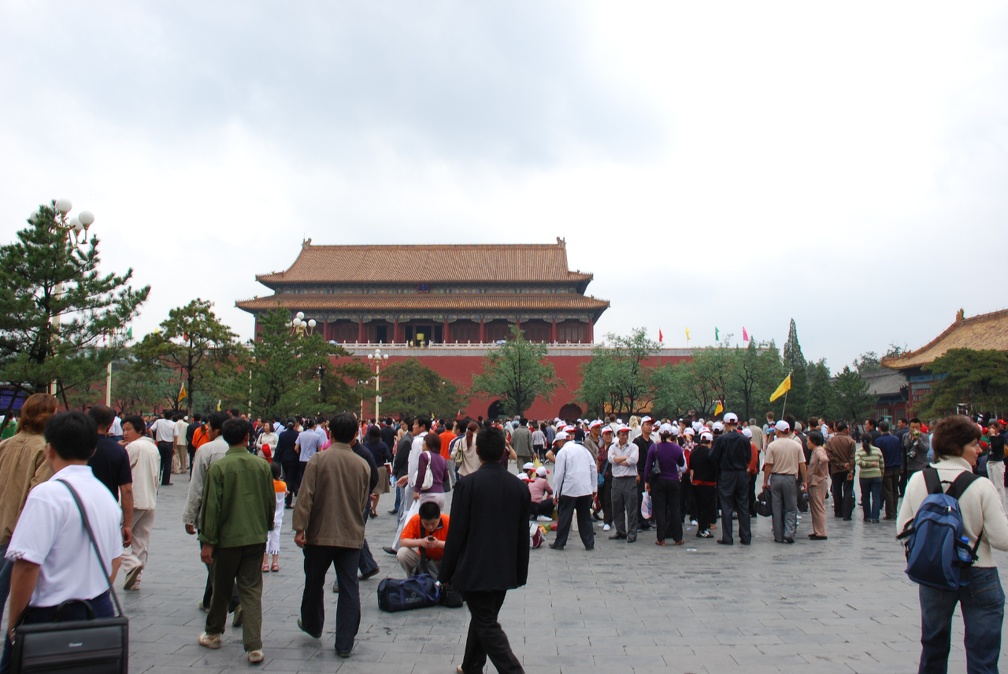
(785, 506)
(624, 498)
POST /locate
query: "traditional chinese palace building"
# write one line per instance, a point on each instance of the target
(436, 294)
(447, 306)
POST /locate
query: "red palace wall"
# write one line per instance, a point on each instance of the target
(460, 369)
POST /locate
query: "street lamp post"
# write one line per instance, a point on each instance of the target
(377, 357)
(75, 231)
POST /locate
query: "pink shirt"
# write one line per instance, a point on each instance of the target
(539, 487)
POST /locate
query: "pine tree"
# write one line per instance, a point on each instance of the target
(796, 363)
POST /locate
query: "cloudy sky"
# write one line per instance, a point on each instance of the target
(713, 164)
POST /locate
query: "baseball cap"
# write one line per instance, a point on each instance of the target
(646, 418)
(782, 426)
(746, 432)
(594, 424)
(731, 418)
(541, 471)
(560, 436)
(607, 429)
(529, 466)
(706, 436)
(717, 426)
(623, 429)
(688, 431)
(523, 477)
(667, 428)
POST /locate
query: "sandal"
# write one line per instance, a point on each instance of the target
(275, 567)
(265, 568)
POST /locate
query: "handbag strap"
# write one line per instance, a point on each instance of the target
(94, 544)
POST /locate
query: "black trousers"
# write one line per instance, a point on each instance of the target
(486, 638)
(706, 504)
(167, 451)
(665, 502)
(566, 507)
(842, 491)
(544, 508)
(292, 476)
(732, 488)
(317, 560)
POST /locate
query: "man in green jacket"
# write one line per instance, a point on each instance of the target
(237, 513)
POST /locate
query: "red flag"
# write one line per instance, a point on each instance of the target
(745, 335)
(660, 338)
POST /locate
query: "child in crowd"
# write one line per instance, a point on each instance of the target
(273, 540)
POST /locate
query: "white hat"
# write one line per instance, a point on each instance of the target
(541, 471)
(568, 429)
(688, 431)
(523, 477)
(782, 426)
(529, 466)
(595, 424)
(646, 418)
(746, 432)
(667, 429)
(731, 418)
(623, 429)
(619, 421)
(717, 426)
(607, 429)
(560, 436)
(706, 436)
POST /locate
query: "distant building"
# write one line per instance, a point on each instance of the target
(890, 390)
(441, 294)
(985, 331)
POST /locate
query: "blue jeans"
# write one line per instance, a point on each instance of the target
(871, 497)
(982, 605)
(102, 605)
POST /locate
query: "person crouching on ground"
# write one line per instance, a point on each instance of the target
(542, 495)
(423, 538)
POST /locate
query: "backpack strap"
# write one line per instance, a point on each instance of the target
(956, 490)
(932, 481)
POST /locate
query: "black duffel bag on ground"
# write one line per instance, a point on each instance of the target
(418, 591)
(95, 645)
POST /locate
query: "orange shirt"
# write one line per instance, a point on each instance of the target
(199, 437)
(279, 486)
(754, 459)
(412, 530)
(446, 440)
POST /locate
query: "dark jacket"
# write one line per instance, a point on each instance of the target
(732, 451)
(488, 540)
(400, 464)
(363, 452)
(284, 451)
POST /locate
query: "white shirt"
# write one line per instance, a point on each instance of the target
(164, 430)
(116, 429)
(575, 473)
(308, 442)
(50, 533)
(181, 426)
(145, 463)
(207, 454)
(629, 450)
(413, 464)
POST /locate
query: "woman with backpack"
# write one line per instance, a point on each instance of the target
(956, 444)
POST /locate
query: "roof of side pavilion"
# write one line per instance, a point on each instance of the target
(411, 264)
(986, 331)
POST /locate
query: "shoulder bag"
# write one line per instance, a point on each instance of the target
(95, 645)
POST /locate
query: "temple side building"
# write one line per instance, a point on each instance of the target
(430, 294)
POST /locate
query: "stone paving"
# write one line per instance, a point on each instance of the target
(842, 605)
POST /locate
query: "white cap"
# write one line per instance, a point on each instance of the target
(706, 436)
(782, 426)
(541, 471)
(623, 429)
(560, 436)
(568, 429)
(523, 477)
(731, 418)
(619, 421)
(688, 431)
(667, 429)
(746, 432)
(595, 424)
(646, 418)
(529, 466)
(717, 426)
(607, 429)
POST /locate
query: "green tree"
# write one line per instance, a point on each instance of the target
(795, 361)
(142, 388)
(978, 379)
(409, 388)
(616, 377)
(850, 393)
(61, 320)
(599, 391)
(822, 399)
(757, 372)
(203, 349)
(517, 373)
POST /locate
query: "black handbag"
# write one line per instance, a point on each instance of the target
(764, 504)
(92, 646)
(420, 590)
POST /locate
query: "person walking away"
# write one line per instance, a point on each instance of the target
(995, 462)
(870, 461)
(732, 453)
(487, 552)
(840, 451)
(892, 450)
(816, 485)
(163, 431)
(235, 519)
(982, 599)
(703, 475)
(329, 527)
(273, 539)
(575, 483)
(668, 456)
(784, 463)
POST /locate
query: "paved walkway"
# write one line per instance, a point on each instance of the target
(842, 605)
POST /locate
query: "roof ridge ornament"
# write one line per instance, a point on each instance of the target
(306, 243)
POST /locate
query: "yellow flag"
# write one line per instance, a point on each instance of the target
(687, 334)
(784, 387)
(182, 394)
(719, 409)
(218, 405)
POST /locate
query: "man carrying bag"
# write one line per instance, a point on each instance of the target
(65, 557)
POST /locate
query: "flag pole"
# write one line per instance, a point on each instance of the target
(785, 403)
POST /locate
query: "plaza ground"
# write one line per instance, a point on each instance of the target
(842, 605)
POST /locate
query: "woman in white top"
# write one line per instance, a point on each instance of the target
(956, 445)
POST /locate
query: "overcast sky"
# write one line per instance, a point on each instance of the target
(713, 164)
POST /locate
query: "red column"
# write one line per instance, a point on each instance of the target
(482, 334)
(591, 332)
(553, 331)
(395, 330)
(360, 331)
(445, 335)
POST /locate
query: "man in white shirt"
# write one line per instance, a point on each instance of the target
(163, 431)
(421, 425)
(575, 482)
(53, 558)
(181, 426)
(623, 455)
(145, 463)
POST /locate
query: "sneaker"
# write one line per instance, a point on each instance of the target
(692, 523)
(256, 656)
(606, 527)
(133, 578)
(705, 534)
(237, 620)
(202, 606)
(543, 518)
(210, 640)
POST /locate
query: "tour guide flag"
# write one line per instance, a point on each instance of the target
(182, 394)
(719, 409)
(784, 387)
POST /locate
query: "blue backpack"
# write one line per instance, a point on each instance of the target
(936, 548)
